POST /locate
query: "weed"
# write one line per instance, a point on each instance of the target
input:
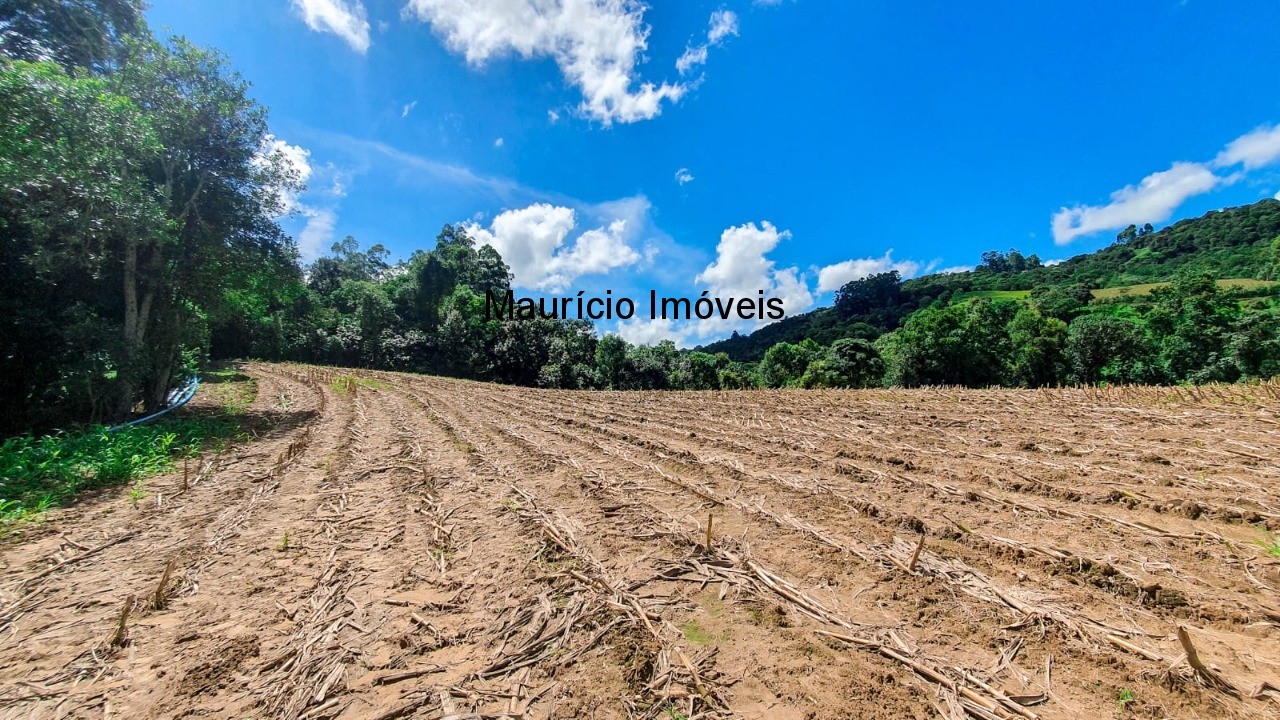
(284, 541)
(1125, 697)
(1270, 544)
(694, 633)
(674, 714)
(347, 384)
(38, 473)
(137, 492)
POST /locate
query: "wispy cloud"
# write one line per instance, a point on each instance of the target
(408, 109)
(1155, 198)
(723, 23)
(347, 20)
(683, 176)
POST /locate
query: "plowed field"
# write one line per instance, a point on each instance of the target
(404, 546)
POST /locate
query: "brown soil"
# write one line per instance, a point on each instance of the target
(405, 546)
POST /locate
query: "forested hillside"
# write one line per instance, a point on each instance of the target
(1233, 243)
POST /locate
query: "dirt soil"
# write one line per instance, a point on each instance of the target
(395, 546)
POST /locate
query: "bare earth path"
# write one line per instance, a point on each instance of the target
(397, 546)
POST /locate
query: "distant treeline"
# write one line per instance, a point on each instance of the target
(138, 197)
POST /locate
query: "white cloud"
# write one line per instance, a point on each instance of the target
(1255, 149)
(553, 117)
(1278, 195)
(1051, 263)
(345, 19)
(596, 43)
(408, 109)
(741, 270)
(1152, 200)
(532, 241)
(958, 269)
(318, 233)
(692, 56)
(834, 277)
(643, 331)
(722, 24)
(498, 143)
(684, 176)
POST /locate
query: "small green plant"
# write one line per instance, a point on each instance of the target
(1270, 545)
(1125, 697)
(674, 714)
(137, 493)
(284, 541)
(347, 384)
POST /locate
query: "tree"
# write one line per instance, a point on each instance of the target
(611, 360)
(1037, 346)
(63, 205)
(72, 33)
(1063, 302)
(857, 297)
(1191, 323)
(848, 363)
(963, 344)
(785, 363)
(1103, 348)
(701, 371)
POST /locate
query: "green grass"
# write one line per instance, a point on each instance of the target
(1112, 293)
(37, 473)
(347, 384)
(1271, 545)
(1009, 295)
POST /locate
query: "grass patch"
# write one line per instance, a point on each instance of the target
(37, 473)
(42, 472)
(695, 634)
(347, 384)
(1270, 545)
(1112, 293)
(1007, 295)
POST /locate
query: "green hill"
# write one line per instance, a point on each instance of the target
(1240, 246)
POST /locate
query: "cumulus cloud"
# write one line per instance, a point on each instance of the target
(532, 241)
(1255, 149)
(1152, 200)
(498, 143)
(683, 176)
(959, 269)
(408, 109)
(834, 277)
(741, 269)
(345, 19)
(723, 23)
(597, 45)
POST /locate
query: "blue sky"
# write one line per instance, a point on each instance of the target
(737, 146)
